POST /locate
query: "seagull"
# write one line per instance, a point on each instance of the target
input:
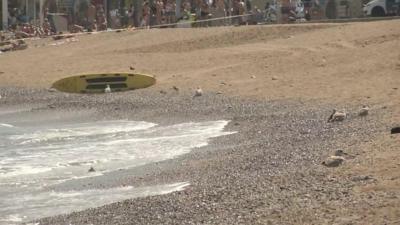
(340, 153)
(132, 68)
(363, 111)
(91, 169)
(107, 89)
(333, 161)
(337, 116)
(198, 92)
(175, 88)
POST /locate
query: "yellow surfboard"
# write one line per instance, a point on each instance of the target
(96, 83)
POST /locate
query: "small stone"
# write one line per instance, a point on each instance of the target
(51, 90)
(91, 169)
(274, 78)
(333, 161)
(253, 77)
(163, 92)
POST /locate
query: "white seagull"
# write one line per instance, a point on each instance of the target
(363, 111)
(337, 116)
(107, 89)
(198, 92)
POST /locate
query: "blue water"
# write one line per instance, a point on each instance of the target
(36, 156)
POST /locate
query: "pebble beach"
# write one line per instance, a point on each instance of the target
(269, 171)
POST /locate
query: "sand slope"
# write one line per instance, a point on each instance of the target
(343, 61)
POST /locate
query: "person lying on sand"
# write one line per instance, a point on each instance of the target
(62, 36)
(74, 28)
(13, 46)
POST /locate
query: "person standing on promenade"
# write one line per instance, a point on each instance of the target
(91, 16)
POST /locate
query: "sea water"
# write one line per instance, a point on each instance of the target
(33, 157)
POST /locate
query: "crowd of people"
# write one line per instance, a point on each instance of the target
(158, 13)
(163, 12)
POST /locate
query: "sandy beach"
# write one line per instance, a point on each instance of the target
(277, 85)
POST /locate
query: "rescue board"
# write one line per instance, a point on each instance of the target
(96, 83)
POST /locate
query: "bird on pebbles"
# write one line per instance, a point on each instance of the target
(333, 161)
(340, 153)
(363, 111)
(175, 88)
(198, 92)
(337, 116)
